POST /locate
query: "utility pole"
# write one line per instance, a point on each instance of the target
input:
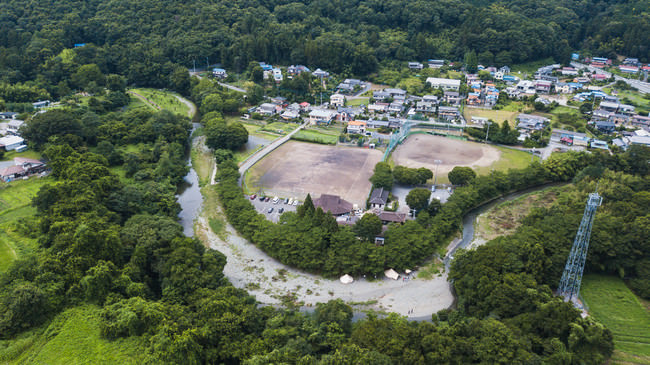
(194, 68)
(532, 155)
(207, 64)
(572, 276)
(488, 131)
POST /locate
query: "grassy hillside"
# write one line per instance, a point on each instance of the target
(71, 338)
(612, 303)
(15, 203)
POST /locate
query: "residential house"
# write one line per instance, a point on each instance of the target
(304, 106)
(570, 137)
(219, 73)
(626, 109)
(596, 143)
(378, 108)
(569, 71)
(321, 116)
(431, 99)
(631, 61)
(445, 84)
(526, 87)
(609, 106)
(396, 93)
(452, 97)
(618, 118)
(265, 66)
(346, 114)
(378, 198)
(266, 109)
(357, 127)
(13, 126)
(337, 100)
(543, 86)
(320, 73)
(473, 98)
(620, 143)
(504, 70)
(296, 70)
(628, 69)
(279, 100)
(11, 142)
(600, 114)
(448, 113)
(605, 126)
(639, 140)
(290, 114)
(641, 122)
(426, 107)
(415, 65)
(531, 122)
(277, 75)
(21, 167)
(41, 104)
(479, 120)
(380, 95)
(333, 204)
(387, 217)
(8, 115)
(396, 107)
(510, 78)
(582, 80)
(436, 63)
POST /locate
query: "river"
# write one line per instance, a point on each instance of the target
(189, 196)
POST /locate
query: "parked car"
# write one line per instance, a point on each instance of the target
(262, 197)
(281, 210)
(295, 202)
(286, 200)
(276, 200)
(290, 201)
(270, 210)
(267, 198)
(253, 196)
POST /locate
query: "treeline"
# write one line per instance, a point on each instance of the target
(503, 134)
(152, 43)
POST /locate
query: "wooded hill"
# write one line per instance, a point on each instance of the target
(144, 40)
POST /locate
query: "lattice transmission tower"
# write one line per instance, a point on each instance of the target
(575, 263)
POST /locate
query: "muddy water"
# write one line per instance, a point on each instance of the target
(189, 197)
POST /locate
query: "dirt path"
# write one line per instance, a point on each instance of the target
(190, 113)
(144, 99)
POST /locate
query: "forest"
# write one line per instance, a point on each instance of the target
(148, 41)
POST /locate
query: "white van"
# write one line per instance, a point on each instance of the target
(276, 200)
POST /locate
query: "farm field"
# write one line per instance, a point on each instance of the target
(421, 150)
(15, 203)
(612, 303)
(317, 135)
(496, 115)
(296, 169)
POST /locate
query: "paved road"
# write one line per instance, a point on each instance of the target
(231, 87)
(252, 160)
(643, 87)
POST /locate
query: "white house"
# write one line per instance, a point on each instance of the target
(321, 116)
(11, 142)
(357, 127)
(337, 100)
(445, 84)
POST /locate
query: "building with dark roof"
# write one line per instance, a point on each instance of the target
(333, 204)
(378, 198)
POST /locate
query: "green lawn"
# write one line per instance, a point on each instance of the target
(72, 337)
(15, 203)
(510, 159)
(165, 99)
(612, 303)
(496, 115)
(357, 102)
(136, 103)
(279, 127)
(27, 154)
(531, 67)
(318, 136)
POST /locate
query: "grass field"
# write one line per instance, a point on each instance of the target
(531, 67)
(164, 99)
(72, 337)
(279, 127)
(505, 218)
(357, 102)
(612, 303)
(15, 203)
(312, 135)
(509, 159)
(496, 115)
(27, 154)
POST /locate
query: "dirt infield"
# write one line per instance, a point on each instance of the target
(421, 150)
(296, 169)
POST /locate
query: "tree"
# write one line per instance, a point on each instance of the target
(222, 135)
(368, 227)
(471, 61)
(461, 175)
(382, 176)
(87, 74)
(180, 80)
(418, 198)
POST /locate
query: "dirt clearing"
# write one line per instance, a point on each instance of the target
(296, 169)
(421, 150)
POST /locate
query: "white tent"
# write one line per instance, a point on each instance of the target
(407, 271)
(346, 279)
(391, 274)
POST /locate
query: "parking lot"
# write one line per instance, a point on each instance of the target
(264, 207)
(401, 192)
